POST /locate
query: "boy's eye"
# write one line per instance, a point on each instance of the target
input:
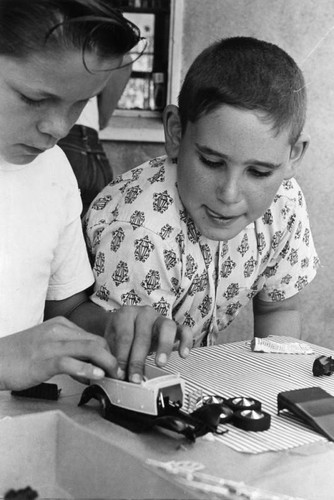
(210, 163)
(260, 173)
(31, 102)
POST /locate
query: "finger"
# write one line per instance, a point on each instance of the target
(185, 335)
(120, 333)
(82, 349)
(144, 338)
(82, 380)
(166, 333)
(80, 370)
(61, 328)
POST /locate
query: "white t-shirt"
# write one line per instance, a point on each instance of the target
(42, 250)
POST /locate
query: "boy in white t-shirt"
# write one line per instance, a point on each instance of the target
(51, 64)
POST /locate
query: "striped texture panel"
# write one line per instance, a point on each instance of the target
(233, 369)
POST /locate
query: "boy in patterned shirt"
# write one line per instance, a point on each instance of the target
(219, 221)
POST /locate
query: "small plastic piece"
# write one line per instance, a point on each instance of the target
(212, 415)
(252, 420)
(44, 390)
(323, 365)
(23, 494)
(226, 414)
(218, 402)
(268, 345)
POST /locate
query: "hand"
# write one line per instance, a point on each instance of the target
(132, 332)
(56, 346)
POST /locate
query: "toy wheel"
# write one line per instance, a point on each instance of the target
(242, 403)
(209, 400)
(252, 420)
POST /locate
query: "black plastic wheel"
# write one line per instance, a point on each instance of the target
(252, 420)
(243, 403)
(208, 400)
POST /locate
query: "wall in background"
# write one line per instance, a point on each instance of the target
(297, 27)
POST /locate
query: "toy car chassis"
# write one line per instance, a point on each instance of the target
(157, 402)
(154, 402)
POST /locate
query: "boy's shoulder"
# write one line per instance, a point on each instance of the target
(289, 187)
(149, 175)
(149, 187)
(287, 210)
(151, 171)
(290, 195)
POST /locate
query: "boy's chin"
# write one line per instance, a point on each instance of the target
(16, 158)
(226, 233)
(222, 235)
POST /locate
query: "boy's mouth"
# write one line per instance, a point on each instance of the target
(221, 218)
(32, 150)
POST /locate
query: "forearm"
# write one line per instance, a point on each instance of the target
(286, 323)
(90, 317)
(280, 318)
(81, 311)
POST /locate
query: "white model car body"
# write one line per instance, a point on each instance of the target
(150, 396)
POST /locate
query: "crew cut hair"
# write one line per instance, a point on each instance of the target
(249, 74)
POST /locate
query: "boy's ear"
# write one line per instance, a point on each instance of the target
(172, 127)
(297, 153)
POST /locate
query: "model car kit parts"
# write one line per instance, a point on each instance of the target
(241, 403)
(252, 420)
(156, 402)
(313, 405)
(323, 365)
(45, 390)
(243, 412)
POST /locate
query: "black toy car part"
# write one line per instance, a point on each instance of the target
(45, 390)
(252, 420)
(243, 412)
(313, 405)
(323, 365)
(225, 412)
(242, 403)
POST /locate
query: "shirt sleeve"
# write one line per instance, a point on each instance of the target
(71, 272)
(133, 267)
(295, 261)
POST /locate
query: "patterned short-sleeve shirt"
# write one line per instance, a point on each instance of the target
(147, 251)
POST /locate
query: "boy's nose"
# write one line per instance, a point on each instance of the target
(56, 125)
(228, 190)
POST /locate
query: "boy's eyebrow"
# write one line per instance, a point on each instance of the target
(43, 94)
(48, 95)
(259, 163)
